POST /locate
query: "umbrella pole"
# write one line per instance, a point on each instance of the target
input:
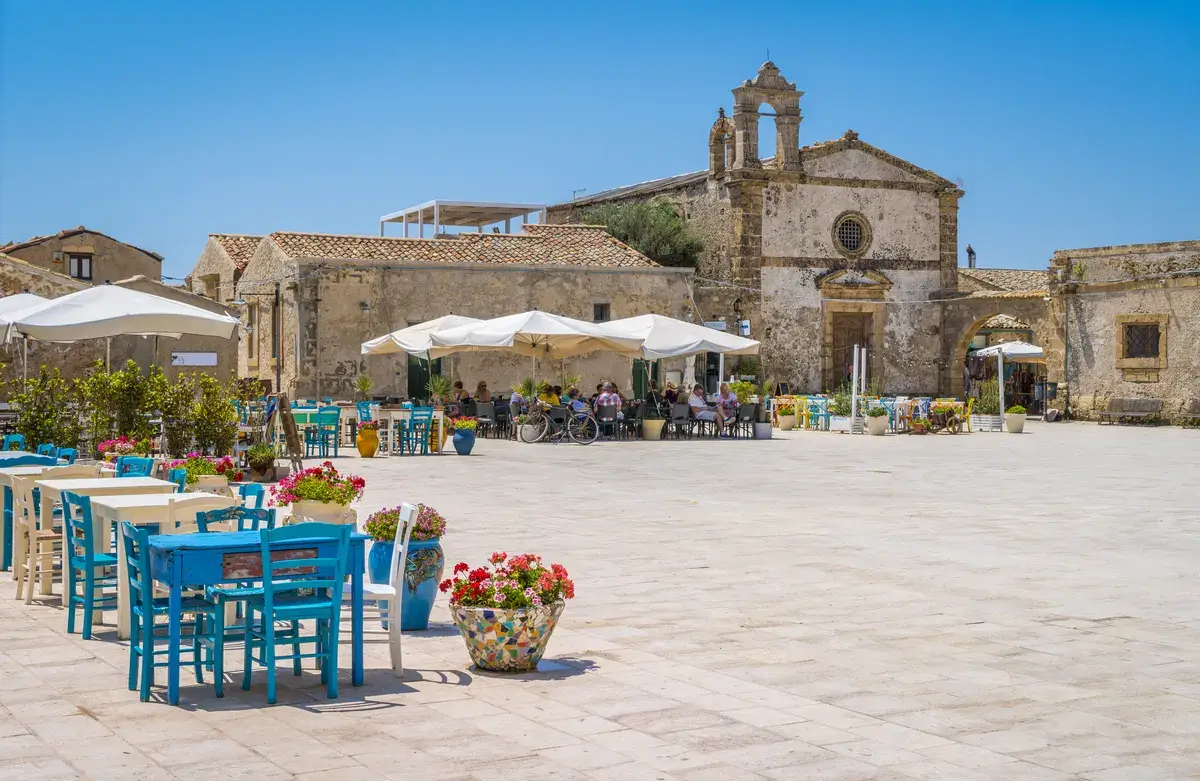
(24, 361)
(108, 355)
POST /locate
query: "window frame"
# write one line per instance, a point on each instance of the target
(72, 257)
(1124, 361)
(865, 234)
(601, 312)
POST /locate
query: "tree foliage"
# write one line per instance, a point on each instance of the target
(653, 228)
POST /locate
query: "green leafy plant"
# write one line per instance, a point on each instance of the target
(215, 417)
(261, 456)
(318, 484)
(429, 525)
(197, 465)
(177, 403)
(133, 399)
(363, 384)
(749, 367)
(439, 388)
(877, 412)
(530, 388)
(839, 401)
(744, 391)
(1016, 409)
(656, 229)
(93, 396)
(44, 413)
(786, 408)
(989, 398)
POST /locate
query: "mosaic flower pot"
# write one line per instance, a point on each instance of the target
(506, 640)
(422, 571)
(463, 441)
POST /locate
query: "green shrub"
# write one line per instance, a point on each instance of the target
(215, 418)
(989, 398)
(877, 412)
(839, 402)
(177, 403)
(132, 398)
(45, 415)
(1016, 409)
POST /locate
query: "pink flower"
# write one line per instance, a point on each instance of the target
(498, 557)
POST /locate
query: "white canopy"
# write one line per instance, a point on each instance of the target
(536, 334)
(666, 337)
(110, 310)
(14, 305)
(1014, 352)
(414, 339)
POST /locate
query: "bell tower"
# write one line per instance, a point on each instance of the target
(771, 88)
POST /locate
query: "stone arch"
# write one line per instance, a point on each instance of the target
(964, 320)
(768, 87)
(721, 149)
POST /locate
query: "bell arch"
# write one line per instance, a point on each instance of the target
(721, 150)
(768, 87)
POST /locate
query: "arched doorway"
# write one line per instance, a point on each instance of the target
(1020, 379)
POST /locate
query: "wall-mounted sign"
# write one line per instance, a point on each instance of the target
(193, 359)
(718, 325)
(743, 327)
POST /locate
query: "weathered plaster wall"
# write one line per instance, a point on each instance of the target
(333, 322)
(965, 316)
(147, 352)
(856, 164)
(798, 221)
(111, 260)
(257, 283)
(214, 262)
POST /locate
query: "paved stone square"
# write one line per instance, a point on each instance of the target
(819, 606)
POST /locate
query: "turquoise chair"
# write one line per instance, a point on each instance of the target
(253, 495)
(179, 478)
(313, 594)
(14, 442)
(81, 560)
(144, 634)
(134, 466)
(818, 413)
(364, 411)
(324, 434)
(47, 450)
(68, 454)
(414, 434)
(247, 519)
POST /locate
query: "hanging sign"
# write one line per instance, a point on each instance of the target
(716, 325)
(193, 359)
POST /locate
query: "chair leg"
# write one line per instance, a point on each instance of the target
(219, 649)
(89, 596)
(197, 647)
(248, 649)
(147, 660)
(296, 660)
(394, 640)
(135, 636)
(331, 657)
(69, 598)
(269, 656)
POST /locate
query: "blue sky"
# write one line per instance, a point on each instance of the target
(1070, 124)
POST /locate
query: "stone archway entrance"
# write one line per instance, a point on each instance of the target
(999, 318)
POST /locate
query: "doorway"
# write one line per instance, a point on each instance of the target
(849, 329)
(419, 372)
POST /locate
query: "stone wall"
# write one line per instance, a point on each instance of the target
(149, 351)
(257, 283)
(111, 259)
(213, 274)
(341, 305)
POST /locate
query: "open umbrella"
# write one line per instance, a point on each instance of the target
(414, 340)
(536, 334)
(666, 337)
(1013, 352)
(15, 306)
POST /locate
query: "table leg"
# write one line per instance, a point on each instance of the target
(101, 533)
(356, 618)
(175, 605)
(6, 534)
(122, 591)
(46, 578)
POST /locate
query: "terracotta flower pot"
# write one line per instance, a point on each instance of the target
(506, 640)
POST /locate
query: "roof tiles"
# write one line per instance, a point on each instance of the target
(238, 247)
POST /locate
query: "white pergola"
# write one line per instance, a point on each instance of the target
(465, 214)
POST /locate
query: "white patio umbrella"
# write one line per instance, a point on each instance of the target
(105, 311)
(536, 334)
(15, 306)
(1014, 352)
(414, 340)
(666, 337)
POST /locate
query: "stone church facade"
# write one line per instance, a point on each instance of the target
(821, 247)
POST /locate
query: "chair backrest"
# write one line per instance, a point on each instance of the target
(47, 450)
(422, 414)
(679, 412)
(25, 507)
(321, 574)
(77, 525)
(253, 495)
(363, 408)
(242, 519)
(181, 513)
(68, 453)
(485, 410)
(137, 568)
(404, 530)
(558, 415)
(329, 416)
(607, 413)
(134, 466)
(179, 478)
(747, 413)
(69, 471)
(14, 442)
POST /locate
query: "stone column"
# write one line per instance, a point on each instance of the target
(787, 142)
(948, 237)
(745, 123)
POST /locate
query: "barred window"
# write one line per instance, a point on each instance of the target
(850, 234)
(1141, 340)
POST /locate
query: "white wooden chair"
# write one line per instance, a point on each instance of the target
(384, 597)
(71, 472)
(36, 543)
(181, 514)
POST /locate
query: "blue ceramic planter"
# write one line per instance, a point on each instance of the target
(422, 572)
(464, 440)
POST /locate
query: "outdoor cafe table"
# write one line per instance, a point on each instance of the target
(394, 416)
(141, 510)
(7, 473)
(179, 560)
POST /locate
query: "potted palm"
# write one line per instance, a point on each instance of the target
(320, 493)
(528, 389)
(363, 384)
(440, 389)
(464, 434)
(506, 613)
(1014, 419)
(877, 421)
(422, 568)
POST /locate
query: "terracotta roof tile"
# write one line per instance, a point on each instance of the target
(1004, 279)
(63, 234)
(238, 247)
(542, 245)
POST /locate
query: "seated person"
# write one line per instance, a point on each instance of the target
(574, 401)
(702, 411)
(609, 397)
(460, 393)
(548, 396)
(671, 394)
(482, 393)
(516, 403)
(596, 395)
(727, 402)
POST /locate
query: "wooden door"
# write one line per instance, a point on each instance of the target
(849, 329)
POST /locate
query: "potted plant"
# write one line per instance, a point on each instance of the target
(507, 613)
(762, 423)
(367, 439)
(363, 384)
(422, 568)
(464, 434)
(839, 408)
(439, 387)
(985, 413)
(919, 426)
(786, 413)
(877, 421)
(319, 493)
(525, 432)
(208, 473)
(1014, 419)
(261, 457)
(111, 449)
(652, 422)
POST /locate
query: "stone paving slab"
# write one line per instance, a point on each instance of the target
(819, 606)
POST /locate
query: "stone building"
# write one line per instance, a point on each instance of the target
(221, 264)
(821, 247)
(312, 299)
(88, 256)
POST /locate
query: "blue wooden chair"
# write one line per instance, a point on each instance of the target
(47, 450)
(319, 437)
(81, 558)
(819, 416)
(242, 519)
(14, 442)
(134, 466)
(296, 590)
(179, 478)
(364, 411)
(253, 495)
(68, 454)
(414, 434)
(144, 635)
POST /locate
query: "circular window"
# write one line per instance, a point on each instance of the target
(851, 234)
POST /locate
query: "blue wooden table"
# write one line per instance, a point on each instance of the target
(225, 557)
(10, 458)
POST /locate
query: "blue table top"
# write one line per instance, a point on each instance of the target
(25, 458)
(222, 541)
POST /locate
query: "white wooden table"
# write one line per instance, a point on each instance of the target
(141, 510)
(6, 476)
(95, 486)
(394, 416)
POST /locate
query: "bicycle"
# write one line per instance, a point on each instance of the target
(580, 427)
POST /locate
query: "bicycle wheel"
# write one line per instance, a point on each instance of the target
(534, 429)
(583, 429)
